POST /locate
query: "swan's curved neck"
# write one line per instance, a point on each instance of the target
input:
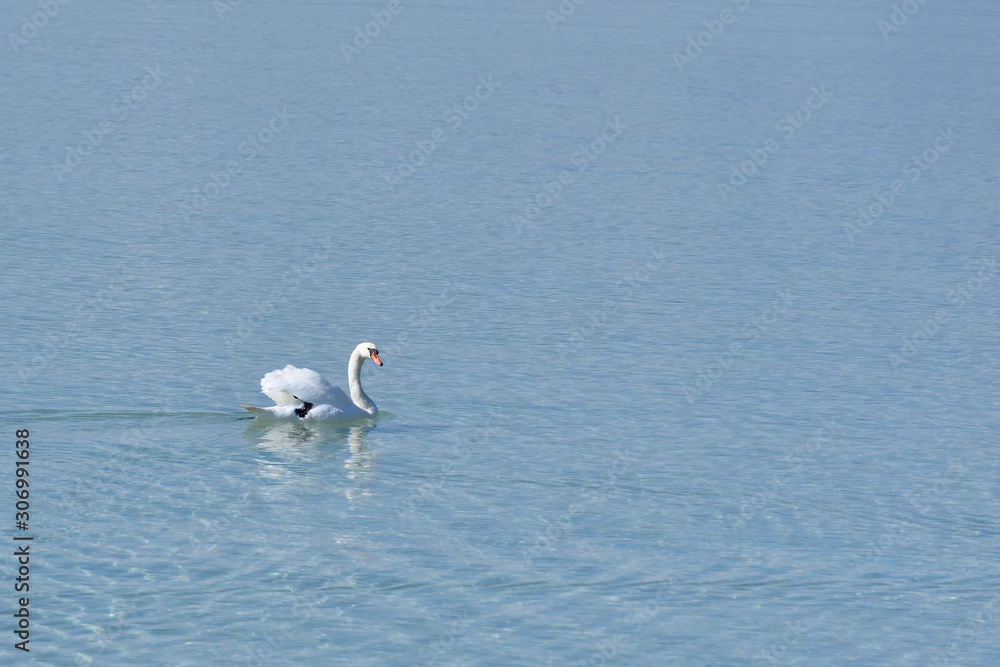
(358, 395)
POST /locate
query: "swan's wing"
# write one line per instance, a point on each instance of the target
(284, 385)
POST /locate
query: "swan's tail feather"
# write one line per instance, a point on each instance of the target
(257, 412)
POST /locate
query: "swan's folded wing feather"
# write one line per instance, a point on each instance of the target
(284, 385)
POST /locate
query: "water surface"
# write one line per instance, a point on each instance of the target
(629, 416)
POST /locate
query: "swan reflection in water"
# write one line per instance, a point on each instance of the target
(288, 445)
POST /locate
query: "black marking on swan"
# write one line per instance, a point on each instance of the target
(304, 410)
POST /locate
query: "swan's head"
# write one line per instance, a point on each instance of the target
(368, 350)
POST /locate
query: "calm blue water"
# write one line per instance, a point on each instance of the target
(656, 392)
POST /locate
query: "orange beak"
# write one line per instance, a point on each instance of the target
(375, 358)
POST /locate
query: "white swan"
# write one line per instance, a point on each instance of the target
(305, 395)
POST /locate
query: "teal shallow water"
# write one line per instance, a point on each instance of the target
(389, 540)
(650, 425)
